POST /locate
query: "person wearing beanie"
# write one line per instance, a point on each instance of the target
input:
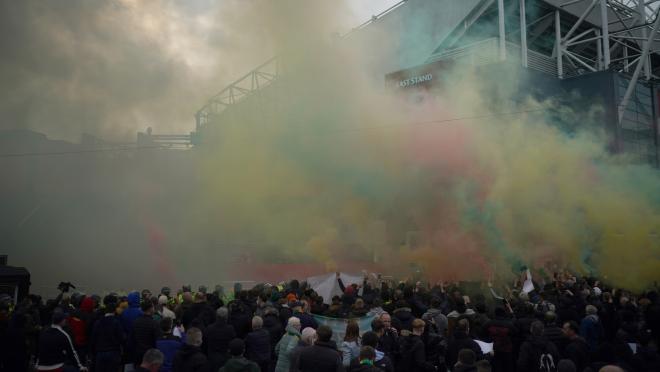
(237, 362)
(56, 348)
(466, 361)
(168, 344)
(288, 342)
(537, 350)
(380, 360)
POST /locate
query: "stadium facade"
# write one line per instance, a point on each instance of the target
(605, 50)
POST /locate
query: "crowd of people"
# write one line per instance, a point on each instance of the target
(567, 324)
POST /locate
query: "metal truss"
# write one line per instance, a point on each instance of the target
(259, 78)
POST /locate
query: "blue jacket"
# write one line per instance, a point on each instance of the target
(133, 311)
(591, 330)
(168, 345)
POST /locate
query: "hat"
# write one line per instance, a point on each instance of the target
(236, 347)
(597, 291)
(162, 300)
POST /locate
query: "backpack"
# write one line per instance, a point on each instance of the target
(547, 363)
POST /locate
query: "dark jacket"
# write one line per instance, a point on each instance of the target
(364, 368)
(592, 331)
(320, 357)
(257, 346)
(501, 331)
(646, 360)
(190, 359)
(216, 342)
(274, 327)
(457, 342)
(389, 344)
(306, 320)
(145, 333)
(412, 354)
(529, 356)
(108, 335)
(577, 350)
(169, 345)
(239, 365)
(55, 347)
(133, 311)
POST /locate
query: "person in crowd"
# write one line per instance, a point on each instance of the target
(299, 311)
(163, 310)
(107, 338)
(483, 366)
(323, 356)
(388, 336)
(466, 361)
(151, 361)
(412, 354)
(380, 360)
(501, 331)
(288, 342)
(367, 359)
(217, 338)
(590, 327)
(350, 346)
(460, 340)
(145, 332)
(168, 344)
(237, 362)
(257, 344)
(577, 349)
(56, 349)
(307, 339)
(131, 313)
(537, 351)
(190, 357)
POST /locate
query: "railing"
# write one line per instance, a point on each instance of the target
(243, 87)
(479, 53)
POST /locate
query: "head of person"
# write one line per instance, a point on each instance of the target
(367, 355)
(162, 300)
(566, 365)
(222, 313)
(324, 333)
(387, 320)
(359, 304)
(591, 310)
(308, 336)
(463, 326)
(152, 360)
(378, 327)
(59, 317)
(147, 307)
(571, 329)
(536, 328)
(370, 338)
(166, 325)
(352, 331)
(466, 357)
(611, 368)
(418, 326)
(550, 317)
(110, 302)
(294, 323)
(236, 347)
(194, 337)
(257, 323)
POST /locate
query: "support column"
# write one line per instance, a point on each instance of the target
(523, 33)
(605, 27)
(640, 21)
(500, 12)
(599, 51)
(558, 47)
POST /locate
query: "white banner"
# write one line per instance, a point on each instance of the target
(326, 285)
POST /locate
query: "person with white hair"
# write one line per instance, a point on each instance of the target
(307, 339)
(286, 344)
(591, 328)
(190, 357)
(217, 338)
(257, 344)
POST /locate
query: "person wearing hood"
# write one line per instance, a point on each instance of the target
(217, 338)
(323, 356)
(402, 316)
(436, 317)
(288, 342)
(131, 313)
(380, 360)
(537, 350)
(79, 323)
(190, 357)
(367, 358)
(413, 354)
(576, 349)
(590, 327)
(238, 363)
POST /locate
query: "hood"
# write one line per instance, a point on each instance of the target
(87, 305)
(134, 299)
(292, 331)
